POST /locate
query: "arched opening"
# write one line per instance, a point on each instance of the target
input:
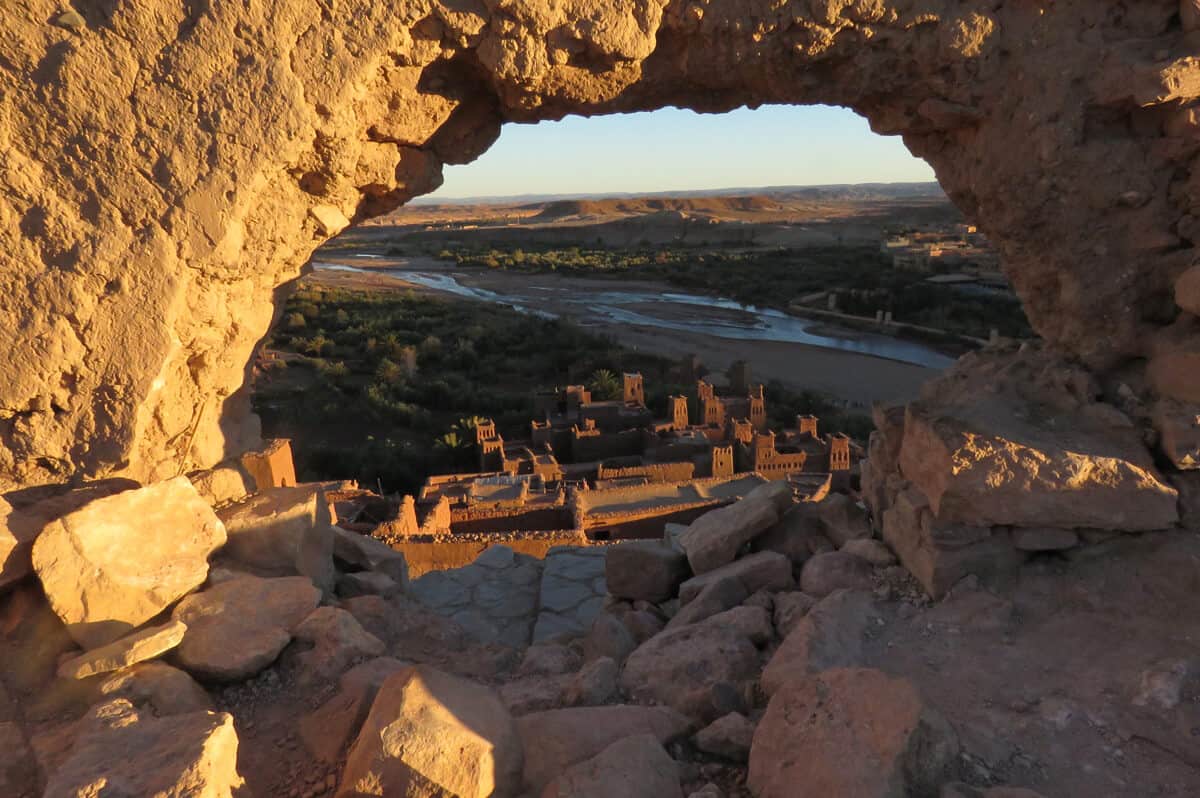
(836, 269)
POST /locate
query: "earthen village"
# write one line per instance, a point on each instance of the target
(993, 594)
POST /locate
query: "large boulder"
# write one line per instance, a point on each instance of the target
(842, 519)
(556, 739)
(717, 596)
(337, 640)
(23, 520)
(715, 538)
(830, 636)
(283, 531)
(681, 667)
(938, 554)
(798, 535)
(164, 689)
(430, 734)
(835, 570)
(370, 554)
(764, 570)
(632, 767)
(115, 563)
(853, 733)
(983, 461)
(648, 570)
(729, 736)
(331, 727)
(120, 751)
(142, 645)
(237, 628)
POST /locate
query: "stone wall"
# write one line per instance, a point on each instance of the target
(169, 167)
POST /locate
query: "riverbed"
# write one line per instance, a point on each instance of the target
(802, 353)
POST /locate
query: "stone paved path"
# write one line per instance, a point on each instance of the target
(515, 599)
(495, 598)
(573, 591)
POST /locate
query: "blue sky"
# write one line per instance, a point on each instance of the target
(673, 149)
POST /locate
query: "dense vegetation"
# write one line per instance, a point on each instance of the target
(384, 386)
(862, 277)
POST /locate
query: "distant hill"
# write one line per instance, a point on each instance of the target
(559, 209)
(847, 191)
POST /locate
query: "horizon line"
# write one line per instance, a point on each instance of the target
(496, 199)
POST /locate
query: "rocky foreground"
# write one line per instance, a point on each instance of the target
(184, 638)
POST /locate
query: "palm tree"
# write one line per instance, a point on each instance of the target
(604, 385)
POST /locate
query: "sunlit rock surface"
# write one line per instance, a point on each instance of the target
(168, 167)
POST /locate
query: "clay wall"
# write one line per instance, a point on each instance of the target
(606, 445)
(654, 472)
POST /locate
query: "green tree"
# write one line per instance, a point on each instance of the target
(604, 385)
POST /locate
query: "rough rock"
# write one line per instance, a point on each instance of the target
(873, 551)
(680, 667)
(222, 484)
(22, 520)
(715, 538)
(789, 609)
(1178, 426)
(162, 688)
(282, 532)
(764, 570)
(16, 547)
(559, 738)
(608, 637)
(134, 318)
(798, 535)
(633, 767)
(115, 563)
(753, 623)
(370, 554)
(595, 683)
(829, 636)
(337, 640)
(1187, 286)
(237, 628)
(643, 624)
(329, 729)
(717, 596)
(939, 554)
(1019, 439)
(1165, 685)
(366, 583)
(836, 570)
(855, 733)
(140, 646)
(960, 790)
(842, 519)
(1044, 538)
(535, 693)
(709, 790)
(430, 733)
(119, 750)
(647, 570)
(18, 772)
(729, 736)
(549, 659)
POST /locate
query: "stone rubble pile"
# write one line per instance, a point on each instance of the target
(1010, 452)
(728, 659)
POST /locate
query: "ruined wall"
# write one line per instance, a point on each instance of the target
(169, 166)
